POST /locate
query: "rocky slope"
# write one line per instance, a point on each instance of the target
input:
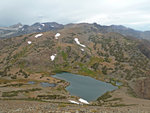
(77, 48)
(43, 107)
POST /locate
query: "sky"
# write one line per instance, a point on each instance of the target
(130, 13)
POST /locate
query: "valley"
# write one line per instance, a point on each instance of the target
(82, 49)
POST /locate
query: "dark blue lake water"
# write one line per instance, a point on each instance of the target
(85, 87)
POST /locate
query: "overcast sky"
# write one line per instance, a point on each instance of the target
(131, 13)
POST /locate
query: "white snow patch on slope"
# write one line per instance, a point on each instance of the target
(57, 35)
(38, 35)
(29, 42)
(83, 101)
(22, 29)
(20, 26)
(43, 25)
(52, 26)
(82, 49)
(77, 41)
(53, 57)
(39, 28)
(74, 102)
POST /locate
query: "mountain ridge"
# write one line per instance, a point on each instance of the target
(19, 29)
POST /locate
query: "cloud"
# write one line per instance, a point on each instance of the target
(132, 13)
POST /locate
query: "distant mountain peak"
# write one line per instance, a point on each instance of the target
(18, 25)
(19, 29)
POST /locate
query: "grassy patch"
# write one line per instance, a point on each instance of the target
(62, 105)
(28, 99)
(64, 55)
(4, 81)
(14, 85)
(10, 94)
(85, 71)
(15, 93)
(51, 97)
(58, 71)
(104, 97)
(115, 99)
(121, 105)
(95, 60)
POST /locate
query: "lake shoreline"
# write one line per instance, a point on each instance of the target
(85, 79)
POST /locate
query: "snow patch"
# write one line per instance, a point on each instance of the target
(29, 42)
(52, 26)
(53, 57)
(83, 101)
(38, 35)
(57, 35)
(43, 25)
(22, 29)
(20, 26)
(74, 102)
(82, 49)
(77, 41)
(39, 28)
